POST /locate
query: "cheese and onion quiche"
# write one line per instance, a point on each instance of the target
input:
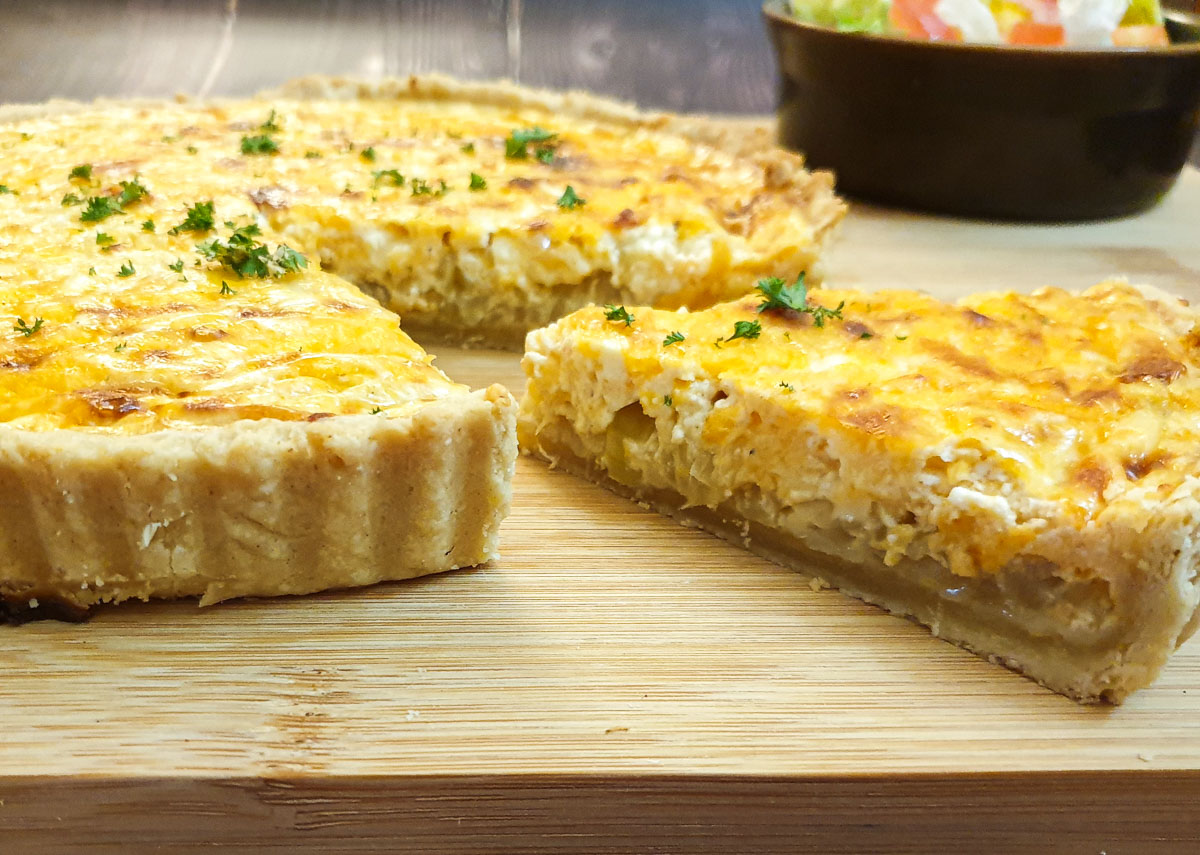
(475, 211)
(1017, 472)
(198, 399)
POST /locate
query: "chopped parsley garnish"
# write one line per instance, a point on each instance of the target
(83, 172)
(388, 176)
(617, 313)
(261, 144)
(225, 289)
(468, 148)
(199, 219)
(516, 147)
(545, 154)
(91, 271)
(249, 258)
(121, 346)
(126, 269)
(4, 188)
(368, 154)
(777, 295)
(26, 330)
(191, 149)
(570, 200)
(787, 387)
(421, 187)
(132, 191)
(148, 225)
(103, 239)
(313, 154)
(866, 334)
(478, 182)
(176, 265)
(746, 329)
(71, 199)
(99, 208)
(668, 401)
(901, 338)
(674, 338)
(376, 410)
(270, 125)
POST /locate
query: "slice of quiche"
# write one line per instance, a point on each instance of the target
(1017, 472)
(189, 408)
(475, 211)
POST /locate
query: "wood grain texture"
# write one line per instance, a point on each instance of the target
(615, 683)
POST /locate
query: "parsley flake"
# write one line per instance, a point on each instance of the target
(103, 239)
(376, 410)
(421, 187)
(121, 346)
(148, 225)
(126, 269)
(368, 154)
(71, 199)
(191, 149)
(674, 338)
(176, 265)
(468, 148)
(99, 208)
(516, 147)
(787, 387)
(901, 338)
(569, 200)
(270, 125)
(83, 172)
(777, 295)
(388, 176)
(261, 144)
(746, 330)
(668, 401)
(132, 191)
(617, 313)
(26, 330)
(313, 154)
(5, 189)
(249, 258)
(478, 182)
(199, 219)
(225, 289)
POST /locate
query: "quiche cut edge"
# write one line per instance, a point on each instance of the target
(254, 508)
(1029, 619)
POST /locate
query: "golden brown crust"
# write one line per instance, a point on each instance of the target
(256, 508)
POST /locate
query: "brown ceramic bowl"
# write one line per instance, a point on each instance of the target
(988, 131)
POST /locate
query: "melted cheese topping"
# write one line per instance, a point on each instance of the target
(346, 187)
(998, 413)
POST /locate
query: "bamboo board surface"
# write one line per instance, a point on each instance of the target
(615, 683)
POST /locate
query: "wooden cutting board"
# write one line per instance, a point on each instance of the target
(615, 683)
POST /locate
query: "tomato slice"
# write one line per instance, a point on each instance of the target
(1141, 35)
(918, 20)
(1029, 33)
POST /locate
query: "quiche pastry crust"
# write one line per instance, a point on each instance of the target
(1016, 472)
(252, 508)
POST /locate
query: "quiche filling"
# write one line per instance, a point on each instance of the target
(1013, 471)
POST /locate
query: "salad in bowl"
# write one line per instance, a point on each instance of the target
(1050, 23)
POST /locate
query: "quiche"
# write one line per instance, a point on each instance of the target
(475, 211)
(204, 387)
(1017, 472)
